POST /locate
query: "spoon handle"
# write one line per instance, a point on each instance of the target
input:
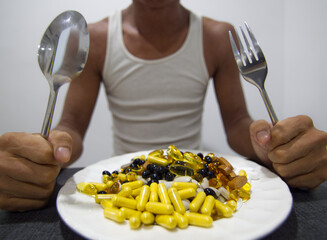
(49, 113)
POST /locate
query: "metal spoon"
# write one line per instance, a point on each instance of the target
(62, 55)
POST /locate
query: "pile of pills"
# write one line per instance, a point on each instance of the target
(172, 190)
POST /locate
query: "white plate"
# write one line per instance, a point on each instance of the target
(269, 206)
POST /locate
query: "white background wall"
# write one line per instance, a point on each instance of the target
(292, 34)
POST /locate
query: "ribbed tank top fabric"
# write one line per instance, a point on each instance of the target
(155, 103)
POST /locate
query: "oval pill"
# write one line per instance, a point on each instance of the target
(159, 208)
(167, 221)
(198, 219)
(197, 202)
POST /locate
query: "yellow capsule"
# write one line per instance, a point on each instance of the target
(197, 202)
(129, 212)
(114, 188)
(198, 219)
(163, 193)
(246, 187)
(133, 185)
(125, 192)
(122, 177)
(136, 192)
(158, 160)
(223, 210)
(87, 188)
(147, 218)
(114, 214)
(208, 205)
(105, 178)
(176, 200)
(174, 153)
(99, 197)
(144, 198)
(159, 208)
(242, 173)
(105, 203)
(167, 221)
(232, 204)
(99, 186)
(157, 153)
(131, 176)
(182, 221)
(187, 193)
(109, 184)
(183, 185)
(118, 201)
(134, 221)
(192, 158)
(154, 192)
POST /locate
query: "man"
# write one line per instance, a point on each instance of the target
(155, 65)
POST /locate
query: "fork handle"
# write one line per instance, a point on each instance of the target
(269, 107)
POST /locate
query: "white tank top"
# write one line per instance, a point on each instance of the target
(155, 103)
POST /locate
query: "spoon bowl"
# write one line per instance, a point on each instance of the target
(62, 55)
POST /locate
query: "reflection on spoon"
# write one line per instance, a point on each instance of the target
(62, 55)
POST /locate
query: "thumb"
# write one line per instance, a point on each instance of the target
(260, 137)
(62, 145)
(260, 132)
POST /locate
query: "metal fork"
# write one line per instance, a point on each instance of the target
(252, 65)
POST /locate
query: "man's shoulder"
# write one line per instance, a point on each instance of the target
(216, 29)
(100, 27)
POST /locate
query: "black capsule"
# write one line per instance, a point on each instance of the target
(152, 180)
(102, 192)
(203, 172)
(208, 159)
(137, 161)
(105, 172)
(169, 176)
(156, 176)
(200, 155)
(133, 165)
(210, 175)
(146, 173)
(209, 191)
(161, 170)
(150, 167)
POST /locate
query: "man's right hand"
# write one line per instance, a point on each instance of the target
(29, 166)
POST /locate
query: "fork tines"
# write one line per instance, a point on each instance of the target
(249, 53)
